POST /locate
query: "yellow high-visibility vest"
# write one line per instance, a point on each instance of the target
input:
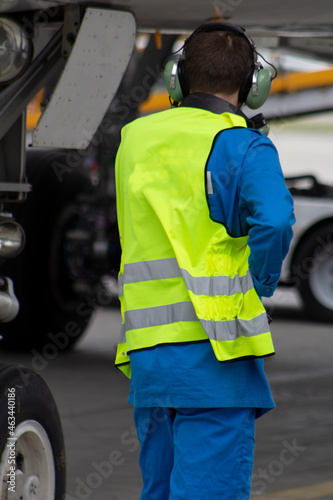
(182, 277)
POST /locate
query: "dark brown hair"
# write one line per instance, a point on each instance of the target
(217, 61)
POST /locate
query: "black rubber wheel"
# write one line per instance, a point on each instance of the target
(52, 314)
(31, 439)
(313, 272)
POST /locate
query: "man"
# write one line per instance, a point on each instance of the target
(205, 223)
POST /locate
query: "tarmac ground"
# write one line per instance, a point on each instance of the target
(294, 442)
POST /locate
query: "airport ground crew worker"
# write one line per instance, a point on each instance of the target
(205, 223)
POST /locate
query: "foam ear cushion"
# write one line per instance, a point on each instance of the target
(183, 79)
(246, 86)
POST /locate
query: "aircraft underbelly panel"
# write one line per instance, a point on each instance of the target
(22, 5)
(89, 81)
(174, 15)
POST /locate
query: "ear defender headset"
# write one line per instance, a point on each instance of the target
(255, 87)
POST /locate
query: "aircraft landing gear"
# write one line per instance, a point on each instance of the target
(32, 464)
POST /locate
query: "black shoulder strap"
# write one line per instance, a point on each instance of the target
(214, 104)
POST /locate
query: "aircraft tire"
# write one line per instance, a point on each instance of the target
(49, 320)
(33, 459)
(313, 272)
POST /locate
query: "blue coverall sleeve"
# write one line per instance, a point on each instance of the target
(266, 212)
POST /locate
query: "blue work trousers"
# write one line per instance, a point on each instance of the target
(196, 454)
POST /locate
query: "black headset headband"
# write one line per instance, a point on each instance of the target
(222, 26)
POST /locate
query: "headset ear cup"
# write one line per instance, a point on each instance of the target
(171, 79)
(264, 84)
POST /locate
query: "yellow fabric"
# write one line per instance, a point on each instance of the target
(163, 214)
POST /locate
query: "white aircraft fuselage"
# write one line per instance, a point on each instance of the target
(173, 15)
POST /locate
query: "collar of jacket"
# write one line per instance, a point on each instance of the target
(214, 104)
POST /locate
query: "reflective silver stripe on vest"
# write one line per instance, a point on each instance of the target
(184, 311)
(162, 315)
(217, 285)
(122, 334)
(147, 271)
(230, 330)
(169, 268)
